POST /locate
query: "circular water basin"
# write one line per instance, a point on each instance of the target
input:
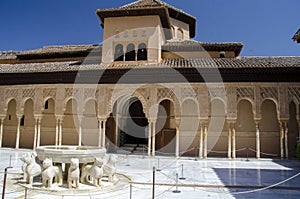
(64, 154)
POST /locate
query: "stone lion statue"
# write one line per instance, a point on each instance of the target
(109, 168)
(51, 172)
(94, 172)
(32, 169)
(73, 174)
(24, 165)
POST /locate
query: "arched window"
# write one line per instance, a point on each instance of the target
(180, 34)
(119, 53)
(173, 31)
(142, 52)
(130, 53)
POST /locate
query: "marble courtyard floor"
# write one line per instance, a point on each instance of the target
(210, 178)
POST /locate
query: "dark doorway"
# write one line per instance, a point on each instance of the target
(134, 129)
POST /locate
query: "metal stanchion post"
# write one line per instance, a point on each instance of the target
(130, 191)
(153, 186)
(176, 190)
(158, 169)
(4, 181)
(247, 154)
(127, 161)
(182, 178)
(143, 152)
(25, 192)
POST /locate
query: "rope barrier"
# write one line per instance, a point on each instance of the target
(268, 154)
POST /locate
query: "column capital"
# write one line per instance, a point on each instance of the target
(19, 116)
(177, 121)
(59, 117)
(102, 118)
(204, 122)
(38, 117)
(284, 120)
(257, 120)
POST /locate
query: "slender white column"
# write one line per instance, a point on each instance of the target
(117, 132)
(286, 140)
(1, 130)
(257, 141)
(35, 133)
(233, 143)
(149, 138)
(100, 134)
(229, 141)
(39, 132)
(153, 138)
(201, 142)
(79, 131)
(177, 142)
(205, 142)
(60, 132)
(281, 140)
(103, 133)
(18, 131)
(56, 132)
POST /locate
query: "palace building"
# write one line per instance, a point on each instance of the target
(150, 85)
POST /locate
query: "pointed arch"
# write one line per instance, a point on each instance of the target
(245, 129)
(27, 128)
(48, 123)
(90, 123)
(10, 125)
(269, 128)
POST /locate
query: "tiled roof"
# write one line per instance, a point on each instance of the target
(191, 45)
(55, 50)
(296, 37)
(153, 3)
(232, 63)
(8, 55)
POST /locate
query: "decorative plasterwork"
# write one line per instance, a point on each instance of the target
(294, 94)
(49, 92)
(245, 92)
(28, 93)
(269, 92)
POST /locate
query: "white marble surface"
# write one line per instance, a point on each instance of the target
(211, 178)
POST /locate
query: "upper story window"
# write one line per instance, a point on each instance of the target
(180, 34)
(173, 31)
(142, 52)
(119, 53)
(130, 52)
(222, 54)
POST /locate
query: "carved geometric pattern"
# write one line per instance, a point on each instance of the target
(90, 92)
(49, 92)
(294, 93)
(28, 93)
(11, 93)
(189, 92)
(69, 92)
(165, 92)
(245, 92)
(217, 92)
(269, 92)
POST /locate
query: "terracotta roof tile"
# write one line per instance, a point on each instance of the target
(192, 45)
(153, 3)
(240, 63)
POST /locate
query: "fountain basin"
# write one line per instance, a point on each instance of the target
(64, 154)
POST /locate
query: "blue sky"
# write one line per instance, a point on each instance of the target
(265, 27)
